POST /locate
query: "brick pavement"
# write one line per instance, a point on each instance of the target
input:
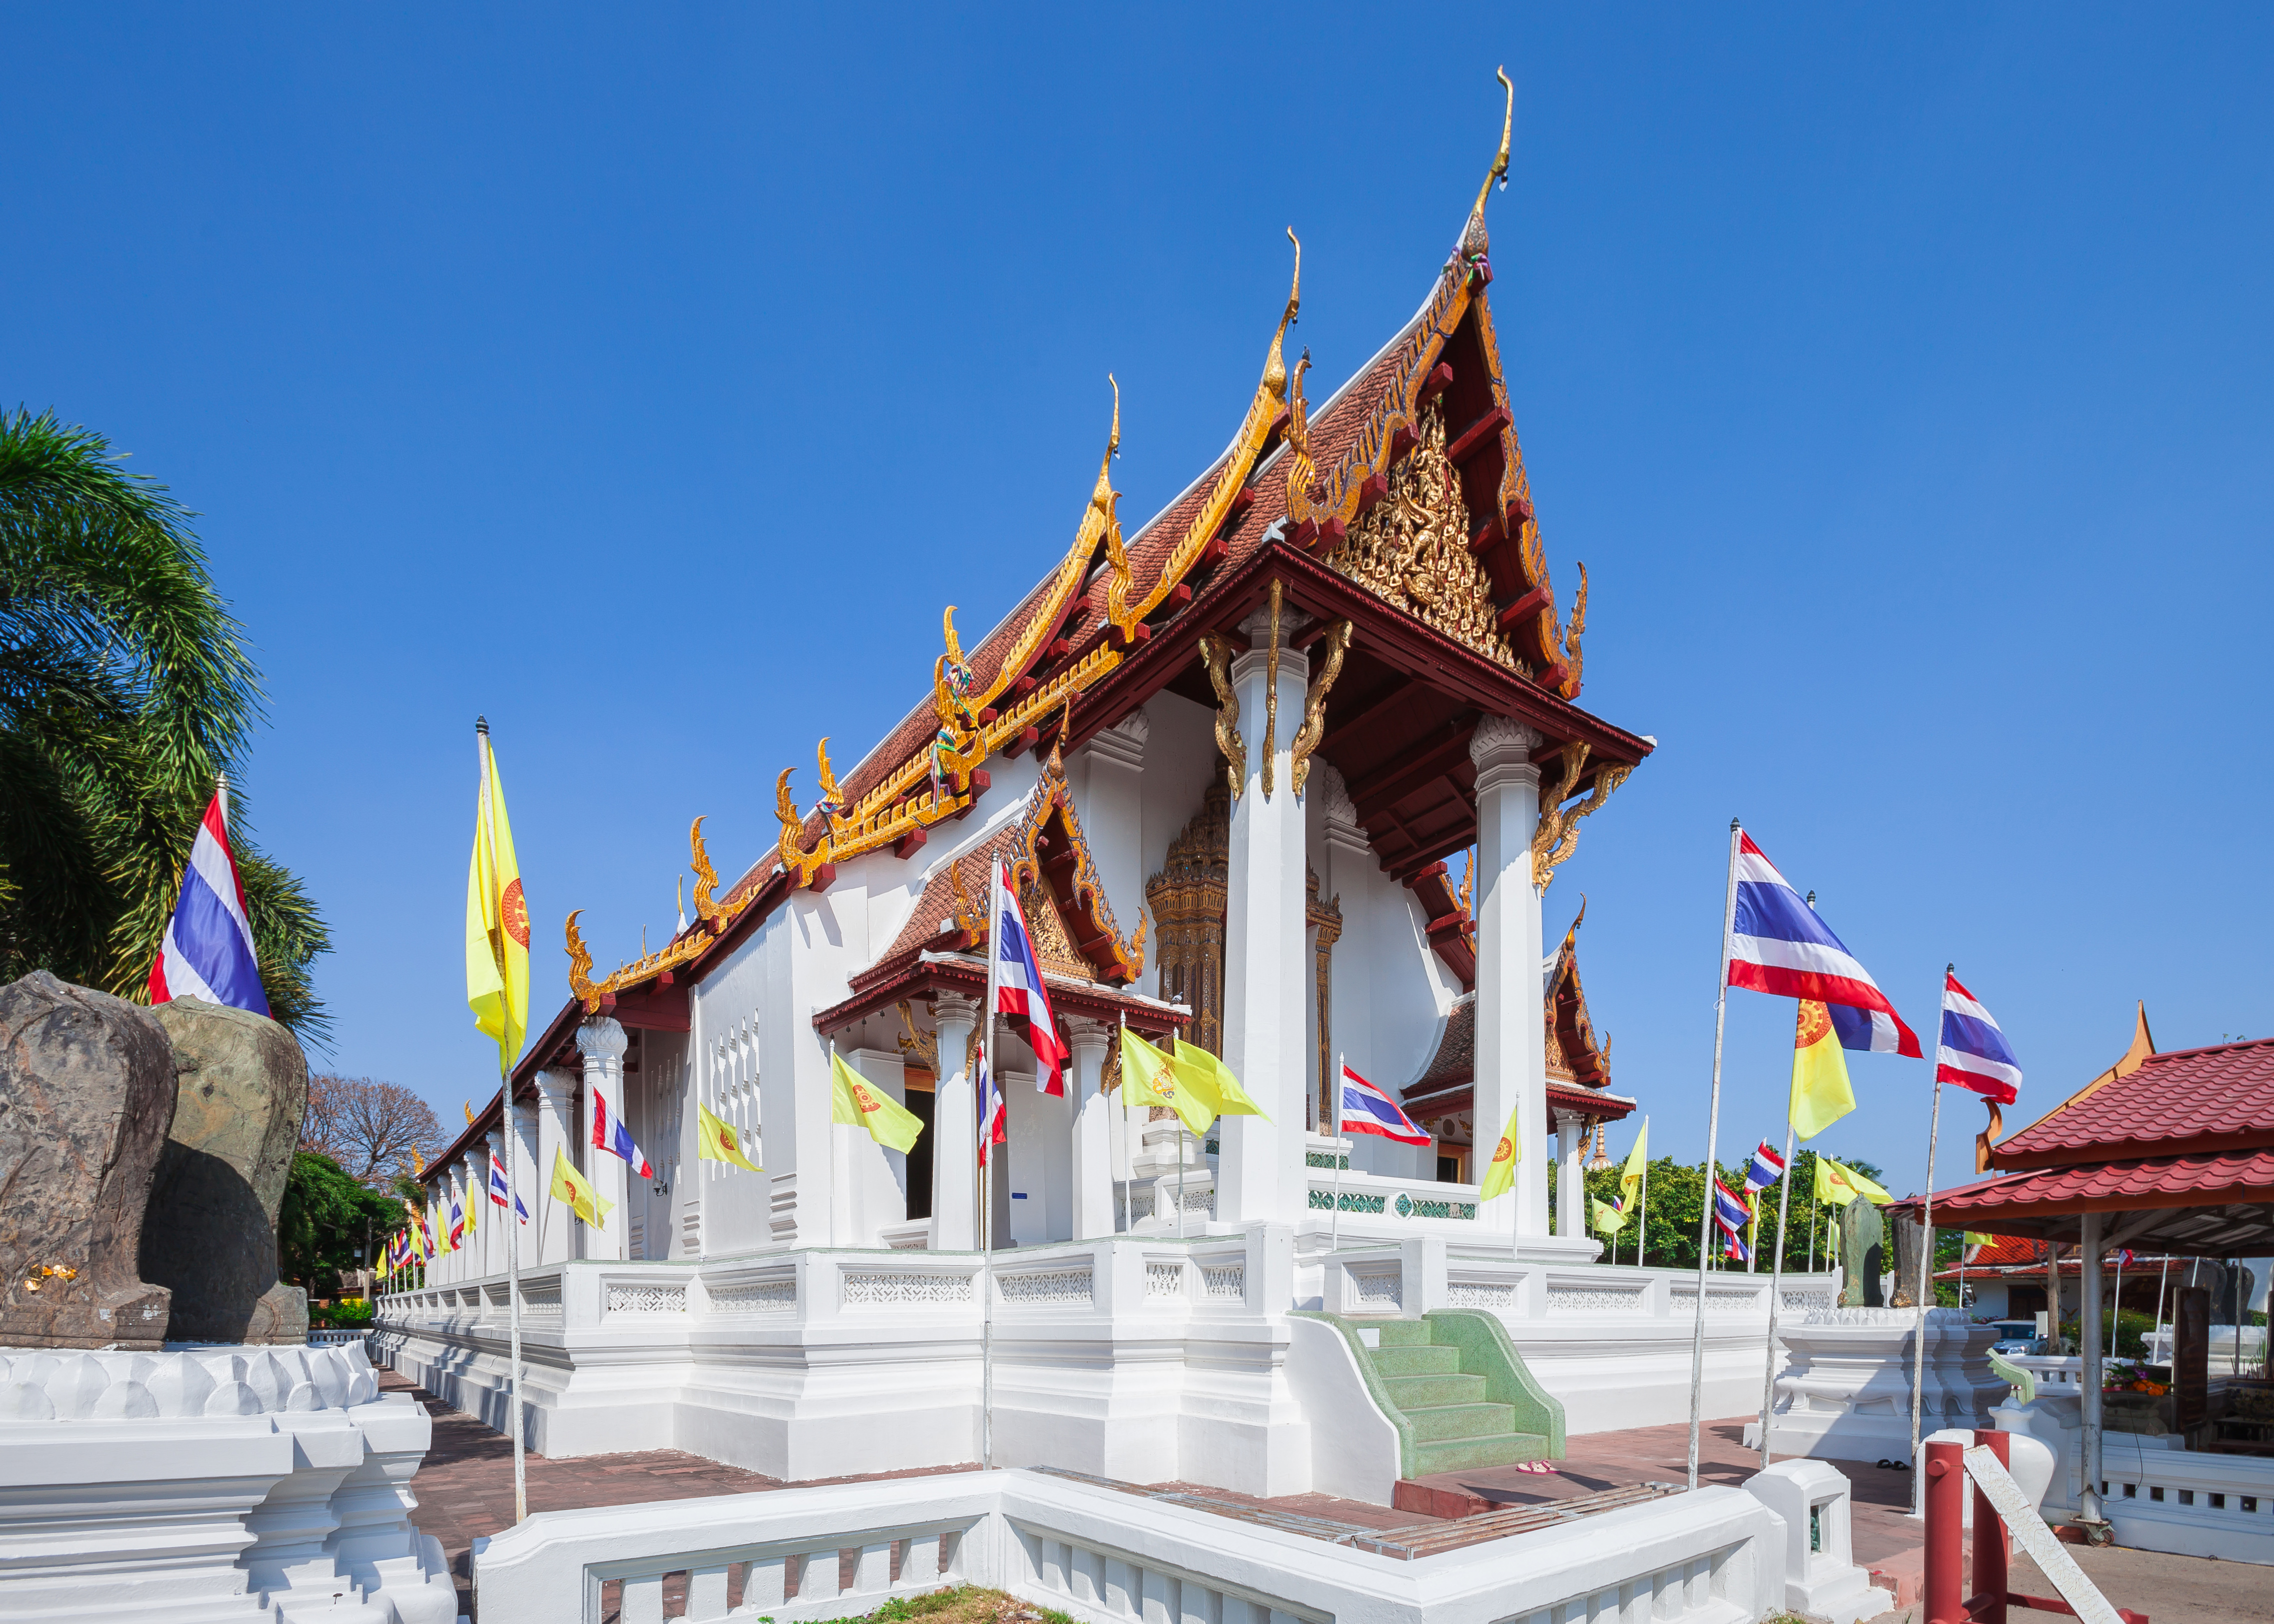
(465, 1490)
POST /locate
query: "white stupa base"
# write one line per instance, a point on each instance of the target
(1846, 1390)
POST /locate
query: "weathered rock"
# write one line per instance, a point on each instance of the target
(211, 1230)
(1908, 1234)
(87, 1092)
(1863, 1254)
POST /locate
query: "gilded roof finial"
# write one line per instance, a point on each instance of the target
(1275, 366)
(832, 799)
(948, 630)
(1473, 240)
(1102, 495)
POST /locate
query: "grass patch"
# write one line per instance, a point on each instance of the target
(966, 1605)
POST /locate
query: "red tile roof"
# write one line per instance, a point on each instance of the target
(2226, 1195)
(2219, 1098)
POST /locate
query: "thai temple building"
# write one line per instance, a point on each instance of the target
(1286, 770)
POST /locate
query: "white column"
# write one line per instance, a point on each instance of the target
(526, 1182)
(1093, 1131)
(954, 1129)
(557, 1240)
(1571, 1178)
(1511, 1058)
(462, 1262)
(602, 1043)
(1261, 1175)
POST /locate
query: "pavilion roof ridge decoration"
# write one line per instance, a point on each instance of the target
(1062, 639)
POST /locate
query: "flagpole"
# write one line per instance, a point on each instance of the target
(1127, 1167)
(987, 1180)
(1926, 1267)
(1776, 1284)
(1712, 1132)
(1642, 1199)
(504, 1107)
(1335, 1154)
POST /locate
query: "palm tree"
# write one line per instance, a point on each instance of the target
(124, 689)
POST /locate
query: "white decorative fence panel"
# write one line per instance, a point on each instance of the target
(1715, 1556)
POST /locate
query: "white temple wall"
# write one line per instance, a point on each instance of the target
(734, 1208)
(658, 1104)
(806, 952)
(875, 1191)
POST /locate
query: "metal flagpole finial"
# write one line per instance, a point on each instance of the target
(482, 725)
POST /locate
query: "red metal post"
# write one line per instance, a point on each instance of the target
(1946, 1534)
(1990, 1538)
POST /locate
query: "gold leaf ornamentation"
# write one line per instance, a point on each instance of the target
(706, 879)
(1218, 653)
(580, 968)
(800, 865)
(1556, 835)
(1315, 702)
(1411, 549)
(921, 1047)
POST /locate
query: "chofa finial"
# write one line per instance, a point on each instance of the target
(1275, 364)
(1474, 239)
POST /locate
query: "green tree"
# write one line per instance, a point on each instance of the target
(1674, 1204)
(327, 1217)
(124, 689)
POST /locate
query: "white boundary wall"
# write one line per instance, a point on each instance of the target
(1138, 1357)
(1105, 1557)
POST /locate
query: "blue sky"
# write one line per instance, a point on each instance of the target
(648, 380)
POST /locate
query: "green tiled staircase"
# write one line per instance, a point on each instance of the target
(1457, 1390)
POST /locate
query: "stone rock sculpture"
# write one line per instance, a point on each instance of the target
(87, 1094)
(1909, 1239)
(210, 1233)
(1863, 1254)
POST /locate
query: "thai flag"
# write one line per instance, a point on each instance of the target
(1731, 1215)
(1973, 1052)
(500, 1191)
(457, 1224)
(207, 950)
(1367, 1109)
(991, 1112)
(1764, 1169)
(1778, 945)
(610, 1134)
(1019, 989)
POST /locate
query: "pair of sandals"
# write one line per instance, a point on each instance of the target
(1538, 1467)
(1893, 1466)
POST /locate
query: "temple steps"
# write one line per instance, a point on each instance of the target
(1460, 1391)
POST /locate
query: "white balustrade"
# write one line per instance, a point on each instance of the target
(1106, 1557)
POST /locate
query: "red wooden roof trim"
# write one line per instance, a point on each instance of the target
(925, 973)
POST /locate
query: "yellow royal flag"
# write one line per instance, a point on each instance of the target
(1820, 1094)
(1209, 1077)
(1151, 1078)
(497, 919)
(857, 1102)
(571, 1186)
(1839, 1185)
(1501, 1174)
(1608, 1219)
(1637, 1159)
(720, 1142)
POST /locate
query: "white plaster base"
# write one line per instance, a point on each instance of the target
(1846, 1390)
(205, 1484)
